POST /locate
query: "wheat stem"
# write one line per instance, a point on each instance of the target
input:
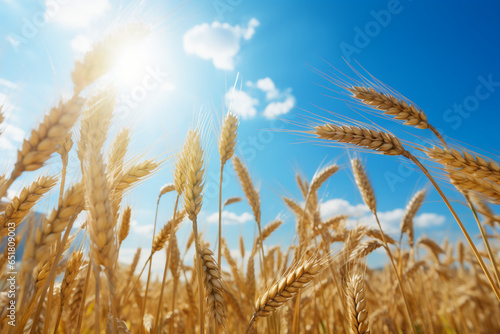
(51, 276)
(485, 239)
(462, 227)
(169, 251)
(403, 294)
(81, 308)
(219, 253)
(199, 271)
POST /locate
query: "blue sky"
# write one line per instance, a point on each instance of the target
(442, 55)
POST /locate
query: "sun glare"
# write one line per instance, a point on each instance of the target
(133, 62)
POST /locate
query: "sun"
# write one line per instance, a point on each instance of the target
(133, 63)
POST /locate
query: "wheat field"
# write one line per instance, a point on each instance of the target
(321, 283)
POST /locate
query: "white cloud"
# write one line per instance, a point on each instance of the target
(219, 42)
(428, 219)
(8, 84)
(252, 24)
(390, 220)
(12, 136)
(281, 102)
(241, 103)
(145, 229)
(338, 206)
(230, 218)
(4, 102)
(267, 86)
(81, 44)
(75, 13)
(274, 109)
(126, 256)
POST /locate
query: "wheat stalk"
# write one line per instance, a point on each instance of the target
(489, 217)
(72, 270)
(389, 144)
(227, 143)
(169, 187)
(233, 267)
(193, 189)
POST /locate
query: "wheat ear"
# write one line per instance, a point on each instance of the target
(356, 304)
(288, 286)
(364, 185)
(250, 278)
(391, 105)
(410, 212)
(383, 142)
(267, 231)
(364, 249)
(469, 163)
(125, 224)
(213, 287)
(394, 106)
(466, 182)
(45, 140)
(227, 140)
(117, 153)
(231, 200)
(21, 205)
